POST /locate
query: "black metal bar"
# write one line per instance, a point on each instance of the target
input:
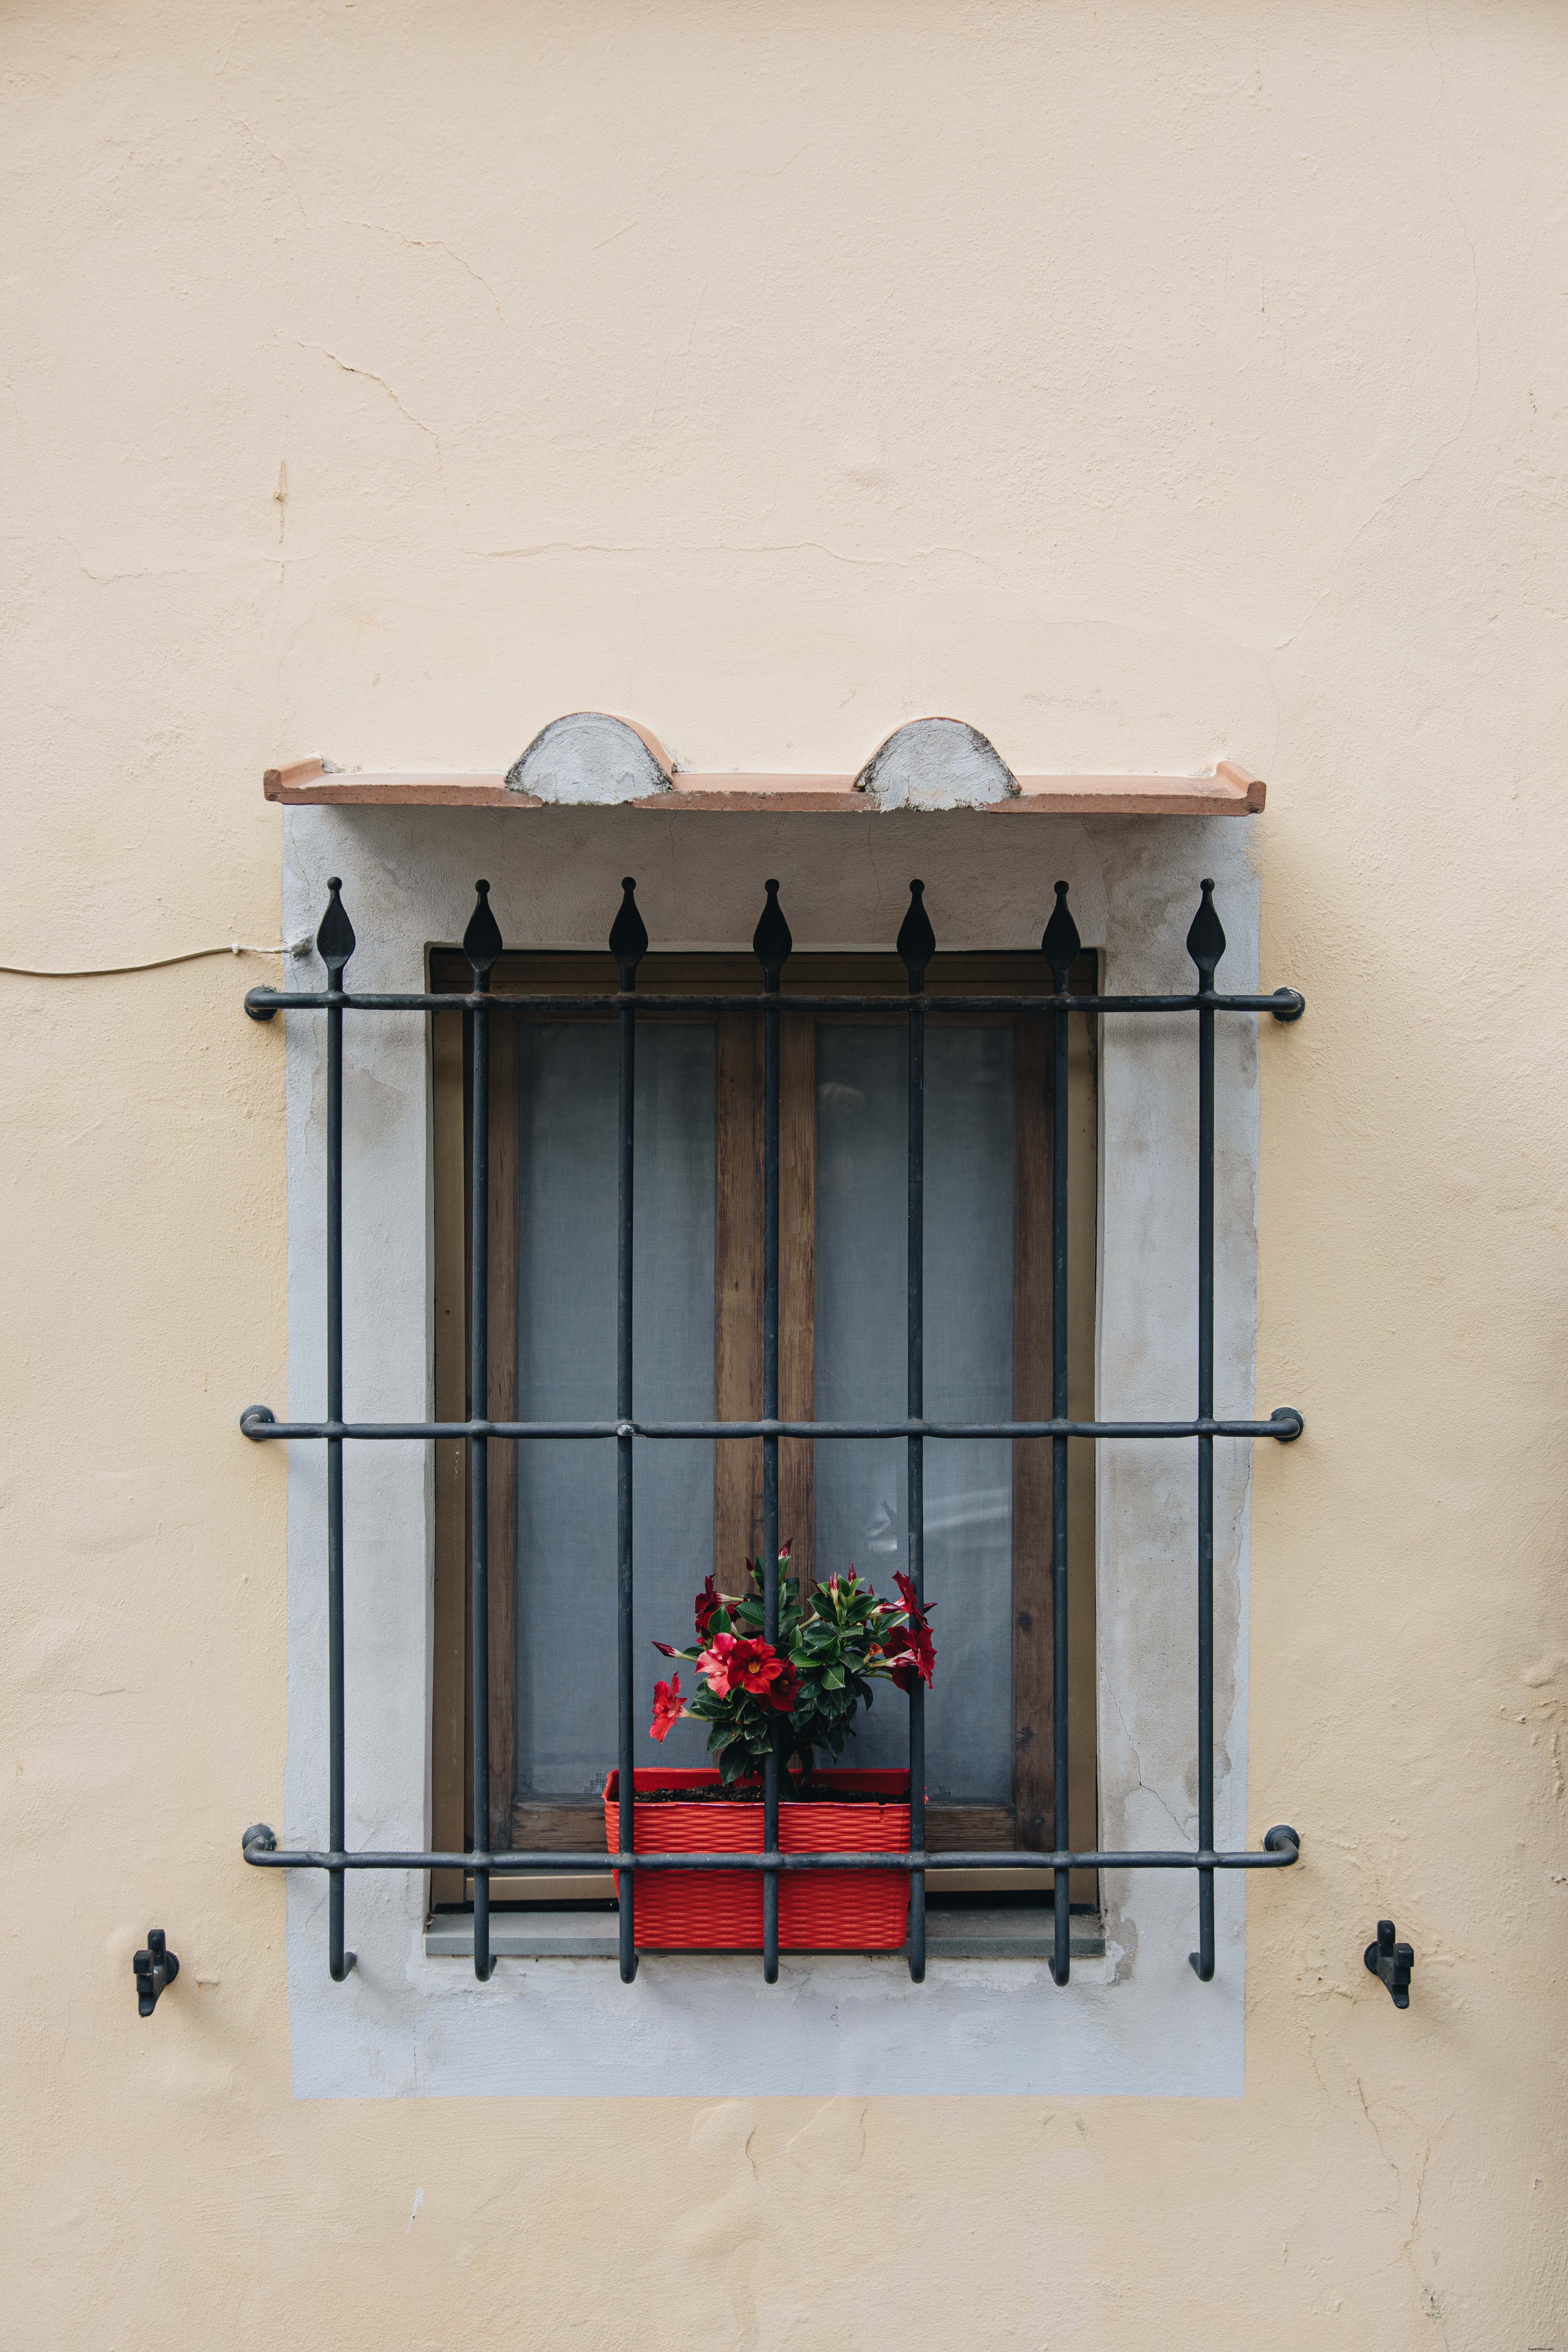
(916, 1471)
(1285, 1424)
(1206, 945)
(624, 1445)
(340, 1961)
(629, 945)
(1060, 947)
(1285, 1004)
(335, 944)
(1281, 1847)
(478, 1486)
(771, 944)
(482, 945)
(916, 946)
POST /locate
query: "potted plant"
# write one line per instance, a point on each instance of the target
(833, 1645)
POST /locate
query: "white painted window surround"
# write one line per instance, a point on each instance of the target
(407, 2024)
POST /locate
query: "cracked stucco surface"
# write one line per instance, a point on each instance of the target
(1143, 383)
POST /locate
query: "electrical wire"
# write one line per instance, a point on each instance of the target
(158, 963)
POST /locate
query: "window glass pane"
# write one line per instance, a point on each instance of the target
(861, 1369)
(566, 1730)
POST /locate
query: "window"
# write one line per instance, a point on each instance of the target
(531, 1159)
(698, 1317)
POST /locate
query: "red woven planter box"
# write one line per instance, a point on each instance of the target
(720, 1910)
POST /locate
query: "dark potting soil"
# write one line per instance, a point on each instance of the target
(754, 1797)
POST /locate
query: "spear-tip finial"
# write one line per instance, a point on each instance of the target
(628, 933)
(771, 941)
(917, 941)
(335, 940)
(1061, 942)
(1205, 940)
(482, 940)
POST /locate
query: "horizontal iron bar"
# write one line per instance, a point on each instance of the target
(1277, 1858)
(257, 1423)
(1285, 1004)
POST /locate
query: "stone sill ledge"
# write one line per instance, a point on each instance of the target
(978, 1931)
(1226, 791)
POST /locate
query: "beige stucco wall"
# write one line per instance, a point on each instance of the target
(1140, 382)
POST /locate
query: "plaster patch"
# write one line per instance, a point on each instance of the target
(590, 760)
(937, 764)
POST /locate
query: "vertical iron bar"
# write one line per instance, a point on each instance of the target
(1206, 944)
(916, 1472)
(341, 1962)
(481, 953)
(628, 944)
(623, 1558)
(916, 945)
(478, 1474)
(335, 942)
(771, 944)
(1061, 1897)
(1061, 945)
(771, 1453)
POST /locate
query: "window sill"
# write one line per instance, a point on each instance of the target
(969, 1931)
(1226, 791)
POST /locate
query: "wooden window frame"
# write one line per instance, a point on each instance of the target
(566, 1825)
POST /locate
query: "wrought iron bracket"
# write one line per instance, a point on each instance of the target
(261, 1840)
(1393, 1962)
(1282, 1840)
(154, 1970)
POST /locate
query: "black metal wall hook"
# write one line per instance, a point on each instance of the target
(1393, 1962)
(154, 1970)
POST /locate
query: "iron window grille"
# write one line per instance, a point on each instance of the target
(771, 945)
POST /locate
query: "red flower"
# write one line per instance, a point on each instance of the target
(714, 1662)
(786, 1690)
(667, 1709)
(760, 1666)
(707, 1601)
(911, 1603)
(733, 1661)
(911, 1651)
(918, 1660)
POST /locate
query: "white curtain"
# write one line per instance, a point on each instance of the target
(567, 1736)
(567, 1676)
(861, 1369)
